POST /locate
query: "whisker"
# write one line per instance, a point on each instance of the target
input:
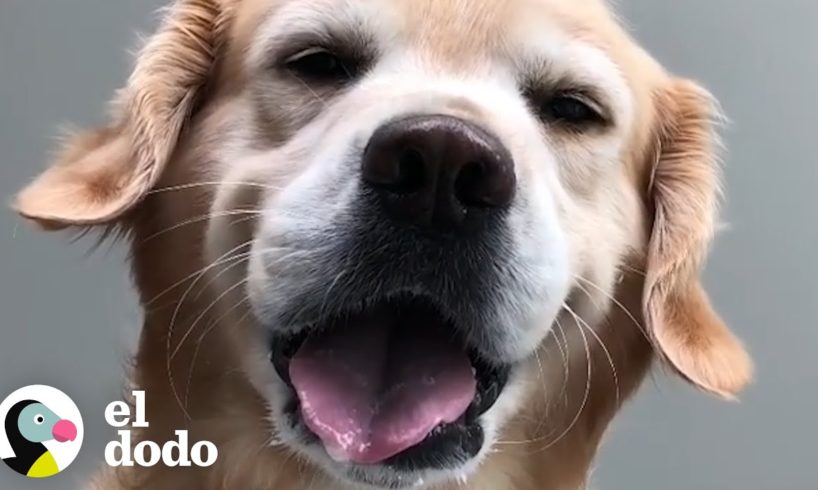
(617, 303)
(329, 290)
(202, 315)
(313, 92)
(545, 392)
(634, 270)
(192, 185)
(562, 393)
(213, 325)
(199, 219)
(604, 349)
(564, 353)
(169, 358)
(215, 277)
(219, 261)
(580, 409)
(585, 396)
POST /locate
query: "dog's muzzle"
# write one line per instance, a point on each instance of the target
(390, 343)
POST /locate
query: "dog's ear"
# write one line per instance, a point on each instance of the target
(102, 174)
(684, 193)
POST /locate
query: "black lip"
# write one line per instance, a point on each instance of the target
(448, 445)
(282, 350)
(491, 380)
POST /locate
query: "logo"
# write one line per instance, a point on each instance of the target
(40, 431)
(172, 453)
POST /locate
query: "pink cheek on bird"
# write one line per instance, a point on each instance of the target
(64, 431)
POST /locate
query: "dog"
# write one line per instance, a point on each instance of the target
(401, 244)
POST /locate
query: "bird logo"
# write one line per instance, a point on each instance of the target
(42, 427)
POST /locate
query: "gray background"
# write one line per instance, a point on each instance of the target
(67, 319)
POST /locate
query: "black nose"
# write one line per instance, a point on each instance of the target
(438, 170)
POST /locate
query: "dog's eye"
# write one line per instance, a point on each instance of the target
(321, 65)
(570, 109)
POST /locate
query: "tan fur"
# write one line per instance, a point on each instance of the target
(167, 122)
(684, 195)
(102, 175)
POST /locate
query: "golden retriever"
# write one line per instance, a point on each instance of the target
(401, 243)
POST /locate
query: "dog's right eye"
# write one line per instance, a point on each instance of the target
(321, 65)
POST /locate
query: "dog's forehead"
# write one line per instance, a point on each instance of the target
(449, 30)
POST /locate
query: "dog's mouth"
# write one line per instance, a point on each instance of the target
(393, 385)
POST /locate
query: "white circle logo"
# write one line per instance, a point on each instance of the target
(40, 431)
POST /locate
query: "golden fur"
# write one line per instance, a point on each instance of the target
(140, 175)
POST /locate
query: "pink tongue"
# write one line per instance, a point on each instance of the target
(369, 393)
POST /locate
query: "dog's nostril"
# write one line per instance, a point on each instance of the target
(468, 184)
(411, 172)
(486, 183)
(399, 171)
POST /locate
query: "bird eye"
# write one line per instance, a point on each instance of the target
(321, 65)
(39, 419)
(570, 109)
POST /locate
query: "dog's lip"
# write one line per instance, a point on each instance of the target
(490, 379)
(447, 446)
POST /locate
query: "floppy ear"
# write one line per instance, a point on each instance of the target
(687, 333)
(102, 174)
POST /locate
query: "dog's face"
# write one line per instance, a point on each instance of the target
(436, 180)
(428, 184)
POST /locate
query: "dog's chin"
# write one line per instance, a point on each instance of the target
(388, 396)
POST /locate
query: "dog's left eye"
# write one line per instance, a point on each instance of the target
(321, 65)
(570, 109)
